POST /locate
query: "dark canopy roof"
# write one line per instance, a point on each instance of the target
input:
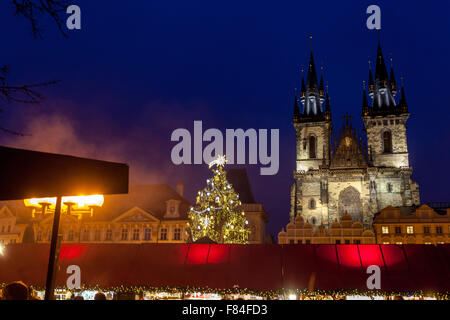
(241, 184)
(258, 267)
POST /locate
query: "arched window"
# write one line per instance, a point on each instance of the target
(312, 204)
(387, 142)
(312, 147)
(314, 220)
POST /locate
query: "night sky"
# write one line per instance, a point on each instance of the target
(137, 70)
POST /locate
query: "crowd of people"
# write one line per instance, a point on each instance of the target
(18, 290)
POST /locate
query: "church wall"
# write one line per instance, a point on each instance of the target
(320, 131)
(399, 155)
(389, 198)
(311, 191)
(336, 187)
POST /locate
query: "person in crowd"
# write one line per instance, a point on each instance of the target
(16, 290)
(78, 298)
(100, 296)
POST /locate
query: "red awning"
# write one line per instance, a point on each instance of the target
(260, 267)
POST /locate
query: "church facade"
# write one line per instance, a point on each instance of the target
(344, 173)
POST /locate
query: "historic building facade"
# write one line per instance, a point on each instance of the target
(147, 214)
(407, 225)
(341, 174)
(346, 231)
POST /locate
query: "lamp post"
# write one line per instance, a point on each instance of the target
(76, 206)
(54, 253)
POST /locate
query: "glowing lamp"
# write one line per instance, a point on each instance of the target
(76, 202)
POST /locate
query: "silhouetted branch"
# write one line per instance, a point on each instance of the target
(33, 9)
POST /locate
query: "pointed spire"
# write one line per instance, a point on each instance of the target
(371, 82)
(380, 67)
(365, 103)
(303, 90)
(327, 107)
(296, 116)
(392, 79)
(311, 82)
(321, 87)
(402, 103)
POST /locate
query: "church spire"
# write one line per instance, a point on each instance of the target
(311, 82)
(312, 94)
(402, 103)
(296, 116)
(382, 88)
(365, 103)
(392, 80)
(380, 67)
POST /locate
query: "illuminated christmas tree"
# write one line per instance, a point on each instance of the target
(217, 213)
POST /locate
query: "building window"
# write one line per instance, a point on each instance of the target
(398, 230)
(347, 241)
(163, 234)
(39, 236)
(97, 235)
(135, 234)
(299, 241)
(312, 147)
(385, 242)
(308, 241)
(399, 242)
(124, 234)
(291, 241)
(441, 242)
(387, 142)
(338, 241)
(70, 236)
(409, 229)
(357, 242)
(9, 229)
(427, 243)
(389, 187)
(385, 230)
(172, 209)
(148, 234)
(426, 230)
(3, 228)
(312, 204)
(177, 234)
(439, 229)
(108, 235)
(86, 235)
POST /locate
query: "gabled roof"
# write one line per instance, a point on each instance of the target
(150, 198)
(241, 184)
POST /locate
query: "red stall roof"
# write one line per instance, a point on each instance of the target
(258, 267)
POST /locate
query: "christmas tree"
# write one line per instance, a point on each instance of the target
(217, 213)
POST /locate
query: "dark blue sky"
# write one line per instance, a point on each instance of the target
(140, 69)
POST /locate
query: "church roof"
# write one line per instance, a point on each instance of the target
(383, 90)
(348, 151)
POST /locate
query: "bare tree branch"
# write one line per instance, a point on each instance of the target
(23, 94)
(32, 10)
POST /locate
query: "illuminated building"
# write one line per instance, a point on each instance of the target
(148, 214)
(341, 174)
(344, 232)
(406, 225)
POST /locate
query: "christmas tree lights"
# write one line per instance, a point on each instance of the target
(217, 213)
